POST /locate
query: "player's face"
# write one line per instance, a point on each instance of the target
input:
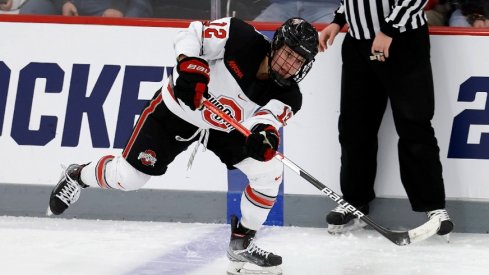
(286, 62)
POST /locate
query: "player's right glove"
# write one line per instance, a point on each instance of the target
(263, 142)
(191, 84)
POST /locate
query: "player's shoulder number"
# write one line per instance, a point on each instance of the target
(215, 29)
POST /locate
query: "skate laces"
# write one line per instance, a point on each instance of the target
(70, 191)
(203, 138)
(442, 213)
(253, 248)
(340, 209)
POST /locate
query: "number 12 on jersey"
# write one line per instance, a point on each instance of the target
(215, 29)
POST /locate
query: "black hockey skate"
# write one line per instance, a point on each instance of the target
(67, 191)
(242, 250)
(446, 224)
(340, 220)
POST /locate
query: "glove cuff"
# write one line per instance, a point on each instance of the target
(194, 65)
(269, 154)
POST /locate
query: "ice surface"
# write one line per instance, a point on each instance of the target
(53, 246)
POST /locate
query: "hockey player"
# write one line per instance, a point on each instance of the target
(236, 68)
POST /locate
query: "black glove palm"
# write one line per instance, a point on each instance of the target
(263, 142)
(191, 84)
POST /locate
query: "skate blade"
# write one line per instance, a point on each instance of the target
(445, 237)
(349, 227)
(239, 268)
(49, 213)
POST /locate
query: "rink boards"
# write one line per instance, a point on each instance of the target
(72, 92)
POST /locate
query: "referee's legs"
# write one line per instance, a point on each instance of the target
(421, 171)
(363, 103)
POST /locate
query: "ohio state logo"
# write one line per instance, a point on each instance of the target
(228, 106)
(148, 158)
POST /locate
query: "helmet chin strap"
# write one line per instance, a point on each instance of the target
(278, 78)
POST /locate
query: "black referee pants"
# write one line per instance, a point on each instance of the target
(406, 80)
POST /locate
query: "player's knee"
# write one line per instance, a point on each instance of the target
(133, 181)
(130, 178)
(117, 173)
(270, 178)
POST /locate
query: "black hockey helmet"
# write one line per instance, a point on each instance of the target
(302, 38)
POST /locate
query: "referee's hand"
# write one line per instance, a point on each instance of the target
(327, 36)
(380, 47)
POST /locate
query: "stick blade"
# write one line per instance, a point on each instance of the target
(425, 230)
(414, 235)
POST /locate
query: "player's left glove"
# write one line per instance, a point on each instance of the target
(263, 142)
(191, 84)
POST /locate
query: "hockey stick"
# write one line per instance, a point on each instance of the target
(419, 233)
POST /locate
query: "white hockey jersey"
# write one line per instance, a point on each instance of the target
(234, 51)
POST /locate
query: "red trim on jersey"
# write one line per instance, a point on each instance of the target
(100, 171)
(170, 90)
(262, 113)
(251, 195)
(150, 109)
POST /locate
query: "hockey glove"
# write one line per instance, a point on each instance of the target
(263, 142)
(191, 84)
